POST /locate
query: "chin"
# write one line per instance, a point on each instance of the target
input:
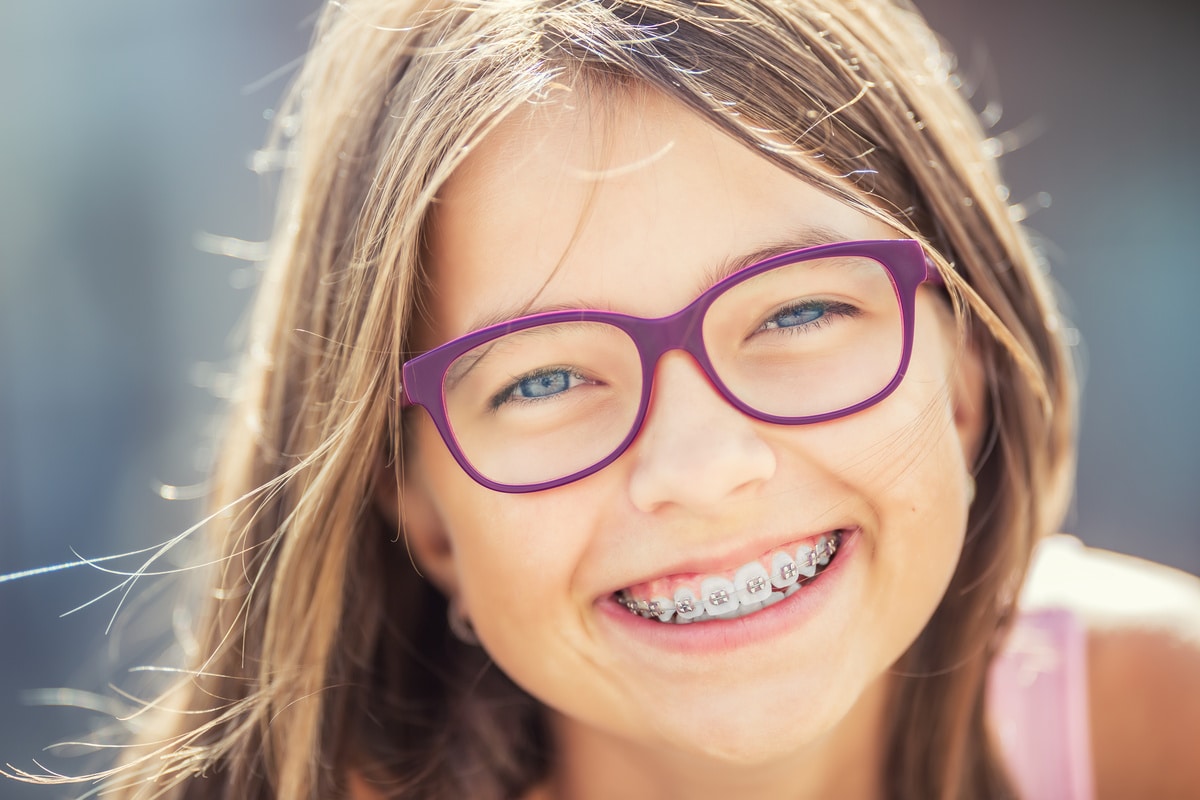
(757, 751)
(748, 734)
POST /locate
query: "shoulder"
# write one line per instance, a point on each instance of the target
(1143, 644)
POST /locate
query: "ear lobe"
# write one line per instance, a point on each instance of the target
(409, 509)
(969, 395)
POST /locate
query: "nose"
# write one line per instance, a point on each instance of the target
(695, 450)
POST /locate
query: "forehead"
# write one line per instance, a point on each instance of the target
(626, 201)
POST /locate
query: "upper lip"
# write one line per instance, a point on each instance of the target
(718, 561)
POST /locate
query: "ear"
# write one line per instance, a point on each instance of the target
(409, 509)
(969, 394)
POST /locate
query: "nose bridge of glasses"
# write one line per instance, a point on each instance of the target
(683, 330)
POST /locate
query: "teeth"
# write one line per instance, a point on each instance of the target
(663, 608)
(806, 560)
(773, 599)
(687, 605)
(825, 549)
(783, 571)
(753, 587)
(719, 595)
(753, 584)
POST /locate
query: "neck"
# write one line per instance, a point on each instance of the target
(845, 763)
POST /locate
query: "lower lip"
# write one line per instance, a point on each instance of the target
(813, 599)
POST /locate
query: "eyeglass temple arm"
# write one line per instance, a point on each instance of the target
(931, 272)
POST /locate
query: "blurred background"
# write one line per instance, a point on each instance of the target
(126, 131)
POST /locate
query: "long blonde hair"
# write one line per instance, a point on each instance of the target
(322, 651)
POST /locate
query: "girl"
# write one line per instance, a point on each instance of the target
(651, 398)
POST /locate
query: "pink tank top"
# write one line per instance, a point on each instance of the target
(1037, 701)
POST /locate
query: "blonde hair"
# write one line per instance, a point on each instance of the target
(322, 651)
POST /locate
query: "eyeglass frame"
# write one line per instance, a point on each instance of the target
(423, 376)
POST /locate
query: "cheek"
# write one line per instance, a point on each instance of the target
(510, 553)
(901, 455)
(919, 488)
(916, 444)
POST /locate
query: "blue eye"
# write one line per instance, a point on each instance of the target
(543, 385)
(538, 385)
(796, 316)
(809, 314)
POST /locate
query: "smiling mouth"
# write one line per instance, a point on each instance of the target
(754, 587)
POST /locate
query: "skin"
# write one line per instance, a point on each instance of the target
(626, 207)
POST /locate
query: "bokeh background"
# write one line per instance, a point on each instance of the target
(126, 131)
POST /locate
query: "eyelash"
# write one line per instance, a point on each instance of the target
(829, 310)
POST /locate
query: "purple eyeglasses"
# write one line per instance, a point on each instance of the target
(803, 337)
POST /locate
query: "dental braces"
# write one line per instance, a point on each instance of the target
(816, 557)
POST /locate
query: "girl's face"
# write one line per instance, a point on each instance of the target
(630, 206)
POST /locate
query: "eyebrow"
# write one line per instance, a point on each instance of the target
(802, 239)
(809, 236)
